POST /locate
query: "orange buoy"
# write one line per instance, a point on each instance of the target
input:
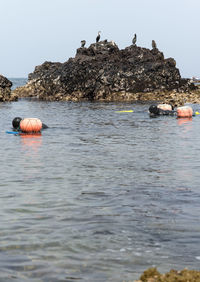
(184, 112)
(29, 125)
(165, 107)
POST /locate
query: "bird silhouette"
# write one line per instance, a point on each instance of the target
(98, 37)
(154, 46)
(134, 39)
(83, 42)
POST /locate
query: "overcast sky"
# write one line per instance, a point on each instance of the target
(34, 31)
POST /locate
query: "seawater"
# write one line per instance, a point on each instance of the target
(17, 82)
(100, 195)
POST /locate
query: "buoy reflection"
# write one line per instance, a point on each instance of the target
(182, 121)
(31, 142)
(185, 123)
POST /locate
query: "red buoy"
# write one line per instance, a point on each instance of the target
(184, 112)
(29, 125)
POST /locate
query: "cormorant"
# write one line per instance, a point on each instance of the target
(83, 42)
(154, 46)
(134, 39)
(98, 37)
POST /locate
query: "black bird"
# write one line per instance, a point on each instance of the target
(83, 42)
(154, 46)
(134, 39)
(98, 37)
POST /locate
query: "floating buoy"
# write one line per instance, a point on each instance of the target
(29, 125)
(183, 112)
(165, 107)
(197, 113)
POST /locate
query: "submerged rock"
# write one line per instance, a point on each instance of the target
(103, 72)
(5, 90)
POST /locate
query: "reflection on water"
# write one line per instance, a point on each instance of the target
(30, 156)
(31, 141)
(99, 196)
(186, 126)
(183, 121)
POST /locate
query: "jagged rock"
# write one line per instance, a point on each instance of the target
(5, 90)
(184, 275)
(104, 72)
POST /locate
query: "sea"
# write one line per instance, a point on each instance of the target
(101, 195)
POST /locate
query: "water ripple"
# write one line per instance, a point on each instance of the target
(100, 196)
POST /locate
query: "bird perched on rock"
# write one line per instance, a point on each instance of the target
(98, 37)
(83, 42)
(134, 39)
(154, 46)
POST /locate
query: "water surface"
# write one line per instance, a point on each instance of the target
(100, 195)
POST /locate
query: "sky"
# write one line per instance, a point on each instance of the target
(35, 31)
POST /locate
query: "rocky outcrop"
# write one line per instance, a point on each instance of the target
(5, 90)
(185, 275)
(103, 72)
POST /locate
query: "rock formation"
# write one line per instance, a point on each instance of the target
(184, 275)
(104, 72)
(5, 90)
